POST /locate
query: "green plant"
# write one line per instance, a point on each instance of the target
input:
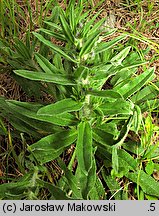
(17, 45)
(99, 99)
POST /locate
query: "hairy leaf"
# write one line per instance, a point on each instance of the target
(105, 93)
(137, 118)
(89, 44)
(62, 106)
(46, 65)
(71, 179)
(103, 138)
(84, 151)
(146, 182)
(132, 85)
(39, 76)
(55, 48)
(120, 106)
(115, 162)
(66, 29)
(117, 60)
(56, 35)
(114, 187)
(84, 146)
(50, 147)
(89, 24)
(127, 160)
(56, 192)
(147, 93)
(111, 128)
(30, 110)
(107, 45)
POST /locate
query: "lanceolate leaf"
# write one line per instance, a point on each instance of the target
(116, 60)
(56, 35)
(71, 179)
(18, 113)
(147, 93)
(88, 25)
(105, 93)
(50, 147)
(122, 74)
(22, 49)
(72, 17)
(150, 168)
(149, 105)
(106, 45)
(39, 76)
(25, 108)
(113, 185)
(57, 193)
(120, 106)
(46, 65)
(103, 72)
(14, 189)
(124, 132)
(30, 110)
(86, 164)
(80, 15)
(115, 163)
(84, 146)
(103, 138)
(66, 29)
(64, 119)
(88, 181)
(96, 26)
(127, 159)
(53, 25)
(134, 147)
(55, 48)
(63, 106)
(98, 191)
(111, 128)
(147, 183)
(25, 124)
(87, 46)
(132, 85)
(137, 118)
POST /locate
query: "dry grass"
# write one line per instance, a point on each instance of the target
(9, 88)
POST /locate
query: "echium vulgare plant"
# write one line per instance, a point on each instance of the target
(98, 99)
